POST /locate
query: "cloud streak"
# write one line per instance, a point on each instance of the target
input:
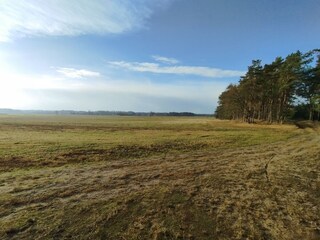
(77, 73)
(181, 70)
(21, 18)
(165, 60)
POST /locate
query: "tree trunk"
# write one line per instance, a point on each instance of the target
(270, 119)
(310, 110)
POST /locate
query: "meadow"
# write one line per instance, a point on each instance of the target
(96, 177)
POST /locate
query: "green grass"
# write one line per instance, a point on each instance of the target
(50, 140)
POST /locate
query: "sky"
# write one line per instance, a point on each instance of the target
(142, 55)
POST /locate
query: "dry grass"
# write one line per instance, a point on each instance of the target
(157, 178)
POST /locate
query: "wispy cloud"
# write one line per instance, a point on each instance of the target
(183, 70)
(72, 17)
(77, 73)
(165, 60)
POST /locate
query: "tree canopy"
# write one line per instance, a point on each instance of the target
(286, 88)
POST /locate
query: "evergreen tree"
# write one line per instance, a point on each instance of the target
(268, 93)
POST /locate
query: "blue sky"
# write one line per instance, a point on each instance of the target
(142, 55)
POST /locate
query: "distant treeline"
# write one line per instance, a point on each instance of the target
(285, 89)
(101, 113)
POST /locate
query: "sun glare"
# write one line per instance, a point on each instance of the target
(12, 93)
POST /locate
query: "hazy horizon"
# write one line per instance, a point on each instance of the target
(14, 111)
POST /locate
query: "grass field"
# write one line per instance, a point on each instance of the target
(87, 177)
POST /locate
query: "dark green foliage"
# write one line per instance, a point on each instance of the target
(301, 112)
(269, 93)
